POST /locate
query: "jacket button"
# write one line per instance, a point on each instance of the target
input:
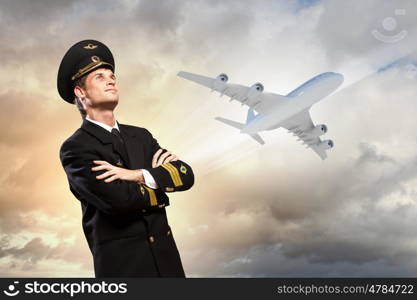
(161, 205)
(169, 232)
(151, 239)
(144, 210)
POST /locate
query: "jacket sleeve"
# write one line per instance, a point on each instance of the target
(173, 176)
(116, 197)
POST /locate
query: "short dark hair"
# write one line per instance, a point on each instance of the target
(81, 83)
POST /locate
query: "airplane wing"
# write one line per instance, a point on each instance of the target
(259, 101)
(300, 125)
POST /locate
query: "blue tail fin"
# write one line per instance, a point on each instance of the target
(250, 116)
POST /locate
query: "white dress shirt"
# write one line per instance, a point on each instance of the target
(149, 180)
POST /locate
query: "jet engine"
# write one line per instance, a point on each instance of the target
(222, 78)
(258, 87)
(318, 130)
(255, 90)
(327, 144)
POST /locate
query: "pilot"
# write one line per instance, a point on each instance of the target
(118, 172)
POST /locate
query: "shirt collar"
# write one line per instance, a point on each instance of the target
(105, 126)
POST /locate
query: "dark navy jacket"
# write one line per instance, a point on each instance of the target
(125, 223)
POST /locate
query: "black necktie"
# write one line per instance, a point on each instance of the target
(116, 132)
(119, 143)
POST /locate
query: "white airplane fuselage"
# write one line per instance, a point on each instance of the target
(300, 99)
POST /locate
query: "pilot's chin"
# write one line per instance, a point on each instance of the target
(111, 103)
(114, 99)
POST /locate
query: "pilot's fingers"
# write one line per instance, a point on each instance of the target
(162, 158)
(101, 162)
(168, 159)
(155, 158)
(175, 158)
(172, 157)
(110, 179)
(101, 167)
(105, 174)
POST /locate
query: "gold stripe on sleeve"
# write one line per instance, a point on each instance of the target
(173, 172)
(152, 195)
(176, 174)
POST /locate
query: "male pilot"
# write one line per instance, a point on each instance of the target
(119, 173)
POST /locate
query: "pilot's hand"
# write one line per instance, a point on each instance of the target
(114, 172)
(159, 159)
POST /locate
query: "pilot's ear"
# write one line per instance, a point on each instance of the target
(79, 92)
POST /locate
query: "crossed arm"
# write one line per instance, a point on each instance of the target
(115, 190)
(114, 172)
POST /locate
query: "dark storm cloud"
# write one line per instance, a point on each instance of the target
(39, 32)
(334, 223)
(29, 28)
(269, 261)
(32, 251)
(28, 255)
(35, 28)
(159, 17)
(29, 11)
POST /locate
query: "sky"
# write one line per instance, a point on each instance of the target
(273, 210)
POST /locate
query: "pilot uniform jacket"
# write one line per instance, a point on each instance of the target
(125, 223)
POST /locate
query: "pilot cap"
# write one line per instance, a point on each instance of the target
(81, 59)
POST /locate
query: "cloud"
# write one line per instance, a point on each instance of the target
(36, 255)
(333, 226)
(275, 210)
(344, 29)
(33, 251)
(159, 18)
(352, 214)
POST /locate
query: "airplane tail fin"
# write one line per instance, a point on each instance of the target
(249, 118)
(230, 123)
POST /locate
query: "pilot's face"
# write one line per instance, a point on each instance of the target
(100, 89)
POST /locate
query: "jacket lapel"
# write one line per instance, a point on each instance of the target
(106, 138)
(102, 134)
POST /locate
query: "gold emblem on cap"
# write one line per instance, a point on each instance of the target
(96, 61)
(95, 58)
(90, 47)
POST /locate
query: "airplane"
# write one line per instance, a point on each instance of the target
(273, 110)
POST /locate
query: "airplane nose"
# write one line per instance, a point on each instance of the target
(338, 76)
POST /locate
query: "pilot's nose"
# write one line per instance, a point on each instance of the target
(111, 81)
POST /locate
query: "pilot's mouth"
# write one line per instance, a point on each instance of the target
(111, 90)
